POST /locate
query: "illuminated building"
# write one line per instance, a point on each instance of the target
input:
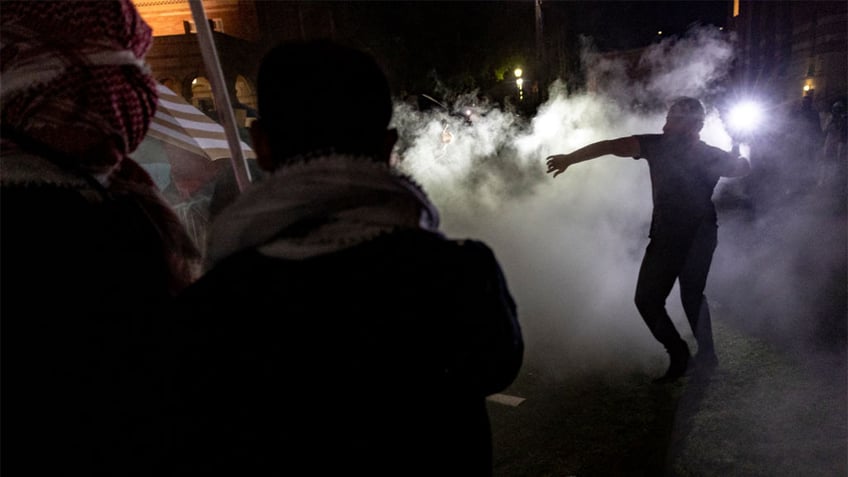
(790, 49)
(175, 55)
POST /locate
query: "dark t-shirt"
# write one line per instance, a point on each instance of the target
(683, 176)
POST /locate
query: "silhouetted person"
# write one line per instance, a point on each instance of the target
(91, 254)
(684, 171)
(834, 155)
(337, 331)
(809, 121)
(797, 149)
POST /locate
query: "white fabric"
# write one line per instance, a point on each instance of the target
(319, 206)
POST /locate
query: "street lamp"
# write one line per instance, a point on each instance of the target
(519, 82)
(809, 87)
(743, 119)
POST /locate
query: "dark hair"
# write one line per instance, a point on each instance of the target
(322, 96)
(689, 107)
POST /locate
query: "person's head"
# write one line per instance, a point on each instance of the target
(685, 117)
(807, 102)
(321, 97)
(74, 80)
(76, 91)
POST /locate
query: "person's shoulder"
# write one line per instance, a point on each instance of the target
(647, 139)
(473, 248)
(708, 147)
(42, 204)
(712, 151)
(473, 257)
(234, 273)
(647, 144)
(443, 244)
(33, 175)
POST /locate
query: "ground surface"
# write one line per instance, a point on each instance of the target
(776, 405)
(762, 413)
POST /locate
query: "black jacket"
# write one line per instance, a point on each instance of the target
(83, 281)
(374, 360)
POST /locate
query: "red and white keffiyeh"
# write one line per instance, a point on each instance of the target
(75, 91)
(74, 80)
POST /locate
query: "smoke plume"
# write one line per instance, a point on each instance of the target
(571, 247)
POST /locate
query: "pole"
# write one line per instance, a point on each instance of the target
(219, 91)
(541, 66)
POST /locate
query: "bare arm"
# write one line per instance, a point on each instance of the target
(622, 147)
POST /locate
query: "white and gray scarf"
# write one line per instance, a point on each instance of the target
(318, 206)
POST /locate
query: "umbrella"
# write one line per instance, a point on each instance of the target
(178, 123)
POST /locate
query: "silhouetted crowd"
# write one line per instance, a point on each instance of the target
(333, 329)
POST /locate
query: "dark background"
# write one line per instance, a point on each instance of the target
(472, 45)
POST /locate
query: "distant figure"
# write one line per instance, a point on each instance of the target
(91, 254)
(834, 156)
(337, 331)
(810, 121)
(684, 171)
(796, 149)
(837, 132)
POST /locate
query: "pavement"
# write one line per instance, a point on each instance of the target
(777, 405)
(763, 412)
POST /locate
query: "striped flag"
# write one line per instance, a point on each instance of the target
(179, 123)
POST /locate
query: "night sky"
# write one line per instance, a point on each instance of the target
(632, 24)
(471, 37)
(462, 43)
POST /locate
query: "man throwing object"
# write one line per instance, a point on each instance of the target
(684, 172)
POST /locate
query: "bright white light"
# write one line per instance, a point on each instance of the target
(745, 116)
(745, 150)
(519, 82)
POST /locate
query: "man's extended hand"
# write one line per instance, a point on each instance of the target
(558, 163)
(622, 147)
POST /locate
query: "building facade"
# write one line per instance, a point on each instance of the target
(175, 56)
(792, 49)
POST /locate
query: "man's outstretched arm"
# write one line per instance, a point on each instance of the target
(622, 147)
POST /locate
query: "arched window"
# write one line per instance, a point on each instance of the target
(201, 95)
(172, 84)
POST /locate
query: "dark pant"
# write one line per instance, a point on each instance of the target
(683, 257)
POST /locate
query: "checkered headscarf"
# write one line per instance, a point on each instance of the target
(75, 89)
(74, 80)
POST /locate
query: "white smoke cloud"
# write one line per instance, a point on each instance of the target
(692, 65)
(571, 246)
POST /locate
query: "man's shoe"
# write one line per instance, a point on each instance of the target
(677, 367)
(706, 362)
